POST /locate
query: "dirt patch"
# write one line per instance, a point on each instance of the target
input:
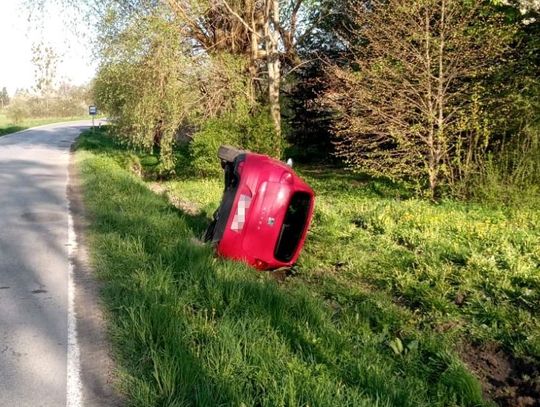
(508, 381)
(157, 188)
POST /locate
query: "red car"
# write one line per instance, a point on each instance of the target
(265, 211)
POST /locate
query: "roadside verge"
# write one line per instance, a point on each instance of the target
(96, 365)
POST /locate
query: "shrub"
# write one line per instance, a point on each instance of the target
(258, 134)
(254, 132)
(510, 176)
(18, 110)
(205, 145)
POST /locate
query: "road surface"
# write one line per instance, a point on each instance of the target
(36, 241)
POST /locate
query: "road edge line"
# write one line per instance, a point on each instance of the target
(74, 385)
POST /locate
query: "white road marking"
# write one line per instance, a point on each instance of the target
(74, 386)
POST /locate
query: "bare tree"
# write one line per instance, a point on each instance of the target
(402, 99)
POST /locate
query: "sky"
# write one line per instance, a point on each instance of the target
(56, 29)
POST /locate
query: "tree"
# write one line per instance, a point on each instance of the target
(45, 60)
(266, 33)
(4, 98)
(261, 36)
(309, 120)
(403, 99)
(147, 82)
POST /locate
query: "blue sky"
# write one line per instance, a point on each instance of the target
(57, 29)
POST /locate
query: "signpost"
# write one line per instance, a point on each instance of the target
(92, 111)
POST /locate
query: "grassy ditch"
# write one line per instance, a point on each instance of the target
(396, 302)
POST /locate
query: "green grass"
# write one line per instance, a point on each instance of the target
(7, 127)
(388, 293)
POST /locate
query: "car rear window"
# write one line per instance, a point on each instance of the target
(293, 226)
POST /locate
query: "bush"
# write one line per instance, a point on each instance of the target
(254, 133)
(65, 101)
(205, 145)
(510, 176)
(18, 110)
(258, 135)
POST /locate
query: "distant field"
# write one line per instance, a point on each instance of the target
(396, 301)
(7, 127)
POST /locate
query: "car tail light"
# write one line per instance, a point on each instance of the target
(286, 178)
(261, 265)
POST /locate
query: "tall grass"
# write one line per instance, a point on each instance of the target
(190, 329)
(510, 176)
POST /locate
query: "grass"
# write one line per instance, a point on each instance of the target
(388, 294)
(7, 127)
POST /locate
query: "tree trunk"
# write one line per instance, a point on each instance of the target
(430, 109)
(253, 63)
(440, 144)
(274, 71)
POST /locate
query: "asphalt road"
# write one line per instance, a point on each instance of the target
(35, 246)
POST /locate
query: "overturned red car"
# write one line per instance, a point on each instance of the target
(265, 211)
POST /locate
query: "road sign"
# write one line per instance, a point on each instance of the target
(92, 110)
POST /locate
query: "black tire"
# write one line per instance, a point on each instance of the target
(229, 153)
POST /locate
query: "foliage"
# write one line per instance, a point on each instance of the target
(222, 59)
(206, 143)
(4, 98)
(309, 120)
(213, 47)
(155, 87)
(18, 110)
(45, 60)
(257, 134)
(145, 85)
(253, 132)
(266, 33)
(65, 100)
(49, 97)
(401, 99)
(504, 116)
(511, 176)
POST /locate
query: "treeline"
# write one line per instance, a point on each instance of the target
(49, 96)
(64, 100)
(443, 94)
